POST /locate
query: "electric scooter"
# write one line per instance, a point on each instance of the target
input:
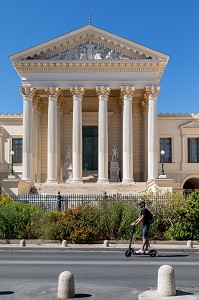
(131, 250)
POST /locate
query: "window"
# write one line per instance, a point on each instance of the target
(193, 150)
(17, 148)
(165, 144)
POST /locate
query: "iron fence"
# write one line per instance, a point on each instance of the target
(72, 201)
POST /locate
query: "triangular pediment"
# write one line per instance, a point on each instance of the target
(89, 43)
(190, 125)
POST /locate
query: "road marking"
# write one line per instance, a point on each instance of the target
(112, 263)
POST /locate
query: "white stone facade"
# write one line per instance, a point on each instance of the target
(95, 80)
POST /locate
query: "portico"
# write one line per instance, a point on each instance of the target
(89, 78)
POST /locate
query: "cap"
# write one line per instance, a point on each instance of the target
(140, 201)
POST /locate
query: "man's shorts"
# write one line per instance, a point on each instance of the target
(145, 231)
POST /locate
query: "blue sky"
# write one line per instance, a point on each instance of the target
(170, 27)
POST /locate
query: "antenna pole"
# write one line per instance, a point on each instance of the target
(89, 21)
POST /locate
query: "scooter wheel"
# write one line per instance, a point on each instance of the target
(128, 253)
(153, 253)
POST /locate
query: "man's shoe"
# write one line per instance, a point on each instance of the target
(146, 252)
(139, 252)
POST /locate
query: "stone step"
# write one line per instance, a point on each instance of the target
(90, 188)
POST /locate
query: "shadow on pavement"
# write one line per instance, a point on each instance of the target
(6, 292)
(82, 295)
(181, 293)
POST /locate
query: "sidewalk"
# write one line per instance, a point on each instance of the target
(165, 246)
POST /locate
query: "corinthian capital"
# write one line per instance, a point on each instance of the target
(144, 103)
(152, 90)
(127, 91)
(60, 102)
(53, 92)
(77, 91)
(37, 102)
(103, 91)
(121, 103)
(27, 92)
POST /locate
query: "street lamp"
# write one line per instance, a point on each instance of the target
(162, 152)
(12, 171)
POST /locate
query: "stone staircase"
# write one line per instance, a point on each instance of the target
(90, 188)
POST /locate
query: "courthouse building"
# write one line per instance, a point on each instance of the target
(90, 119)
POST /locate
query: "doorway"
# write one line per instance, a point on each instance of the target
(90, 147)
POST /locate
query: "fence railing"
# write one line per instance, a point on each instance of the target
(72, 201)
(52, 202)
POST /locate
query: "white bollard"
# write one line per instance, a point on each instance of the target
(66, 286)
(106, 243)
(189, 244)
(64, 243)
(166, 281)
(23, 243)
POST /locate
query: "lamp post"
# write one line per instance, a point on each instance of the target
(12, 171)
(162, 152)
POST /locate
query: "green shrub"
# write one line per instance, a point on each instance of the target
(75, 225)
(185, 224)
(115, 218)
(176, 217)
(19, 220)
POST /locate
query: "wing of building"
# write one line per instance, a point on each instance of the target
(90, 118)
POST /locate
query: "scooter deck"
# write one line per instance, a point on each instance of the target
(131, 251)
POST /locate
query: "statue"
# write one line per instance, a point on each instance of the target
(114, 166)
(110, 54)
(98, 56)
(114, 154)
(68, 154)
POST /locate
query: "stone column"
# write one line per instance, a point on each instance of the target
(121, 104)
(37, 107)
(77, 93)
(144, 108)
(152, 93)
(53, 94)
(127, 93)
(60, 159)
(103, 93)
(27, 94)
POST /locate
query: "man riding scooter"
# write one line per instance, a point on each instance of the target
(145, 219)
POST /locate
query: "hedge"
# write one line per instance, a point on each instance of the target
(176, 217)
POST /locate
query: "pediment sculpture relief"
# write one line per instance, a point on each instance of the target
(89, 51)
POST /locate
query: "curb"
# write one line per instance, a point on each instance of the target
(153, 295)
(95, 248)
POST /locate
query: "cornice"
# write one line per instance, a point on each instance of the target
(90, 66)
(160, 115)
(179, 115)
(11, 116)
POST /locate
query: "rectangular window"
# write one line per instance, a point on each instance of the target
(193, 150)
(17, 148)
(165, 144)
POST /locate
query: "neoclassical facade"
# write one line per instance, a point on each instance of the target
(85, 93)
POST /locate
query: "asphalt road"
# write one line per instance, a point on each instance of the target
(98, 274)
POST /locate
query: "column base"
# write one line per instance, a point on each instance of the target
(77, 181)
(51, 180)
(128, 180)
(103, 180)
